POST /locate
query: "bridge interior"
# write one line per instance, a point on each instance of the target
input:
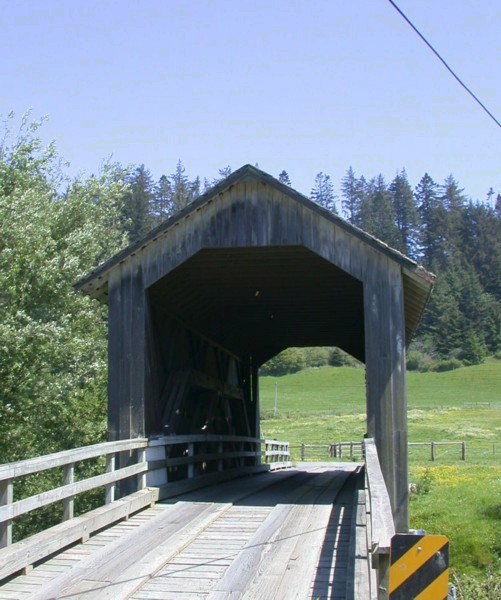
(289, 534)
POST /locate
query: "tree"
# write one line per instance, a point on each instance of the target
(181, 193)
(323, 192)
(353, 191)
(284, 178)
(136, 205)
(406, 214)
(52, 341)
(432, 215)
(161, 205)
(376, 212)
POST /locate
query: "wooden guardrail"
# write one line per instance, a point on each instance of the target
(21, 555)
(204, 459)
(9, 509)
(380, 526)
(177, 464)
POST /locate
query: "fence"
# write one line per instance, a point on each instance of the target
(453, 451)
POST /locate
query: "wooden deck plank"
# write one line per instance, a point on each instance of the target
(224, 545)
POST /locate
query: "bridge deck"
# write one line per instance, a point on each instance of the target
(290, 534)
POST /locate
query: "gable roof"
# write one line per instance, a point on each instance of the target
(94, 284)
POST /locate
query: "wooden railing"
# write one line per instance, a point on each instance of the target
(177, 464)
(277, 454)
(380, 526)
(9, 509)
(161, 467)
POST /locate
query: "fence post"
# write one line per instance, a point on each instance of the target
(463, 450)
(68, 503)
(111, 487)
(432, 450)
(6, 497)
(303, 449)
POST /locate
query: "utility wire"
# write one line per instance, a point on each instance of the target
(444, 63)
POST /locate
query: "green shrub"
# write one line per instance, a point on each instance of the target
(419, 361)
(448, 365)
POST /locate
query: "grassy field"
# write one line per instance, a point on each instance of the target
(460, 499)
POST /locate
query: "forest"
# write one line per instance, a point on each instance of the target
(54, 229)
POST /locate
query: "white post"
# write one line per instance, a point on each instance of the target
(6, 497)
(111, 487)
(68, 503)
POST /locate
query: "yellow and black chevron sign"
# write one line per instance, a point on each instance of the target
(419, 567)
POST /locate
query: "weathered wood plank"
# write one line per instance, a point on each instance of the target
(38, 546)
(21, 507)
(66, 457)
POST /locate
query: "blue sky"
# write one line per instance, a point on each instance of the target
(305, 86)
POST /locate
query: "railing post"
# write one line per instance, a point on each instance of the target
(69, 503)
(6, 497)
(383, 577)
(141, 479)
(111, 487)
(191, 466)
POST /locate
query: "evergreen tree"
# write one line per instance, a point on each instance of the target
(284, 178)
(181, 192)
(377, 214)
(406, 214)
(433, 221)
(353, 192)
(323, 192)
(454, 202)
(136, 206)
(223, 174)
(161, 205)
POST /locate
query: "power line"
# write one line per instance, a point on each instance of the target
(444, 63)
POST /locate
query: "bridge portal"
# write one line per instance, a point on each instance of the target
(248, 269)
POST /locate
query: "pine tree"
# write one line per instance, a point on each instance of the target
(406, 214)
(433, 222)
(161, 205)
(323, 192)
(377, 214)
(181, 193)
(353, 191)
(136, 205)
(454, 202)
(284, 178)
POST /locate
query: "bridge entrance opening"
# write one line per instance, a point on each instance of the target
(315, 399)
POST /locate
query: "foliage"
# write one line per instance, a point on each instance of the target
(323, 192)
(52, 341)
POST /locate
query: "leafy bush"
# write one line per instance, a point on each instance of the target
(419, 361)
(448, 365)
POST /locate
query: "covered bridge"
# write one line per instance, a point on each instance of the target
(248, 269)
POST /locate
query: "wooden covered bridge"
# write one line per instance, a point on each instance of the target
(250, 268)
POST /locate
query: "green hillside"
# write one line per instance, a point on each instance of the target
(459, 499)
